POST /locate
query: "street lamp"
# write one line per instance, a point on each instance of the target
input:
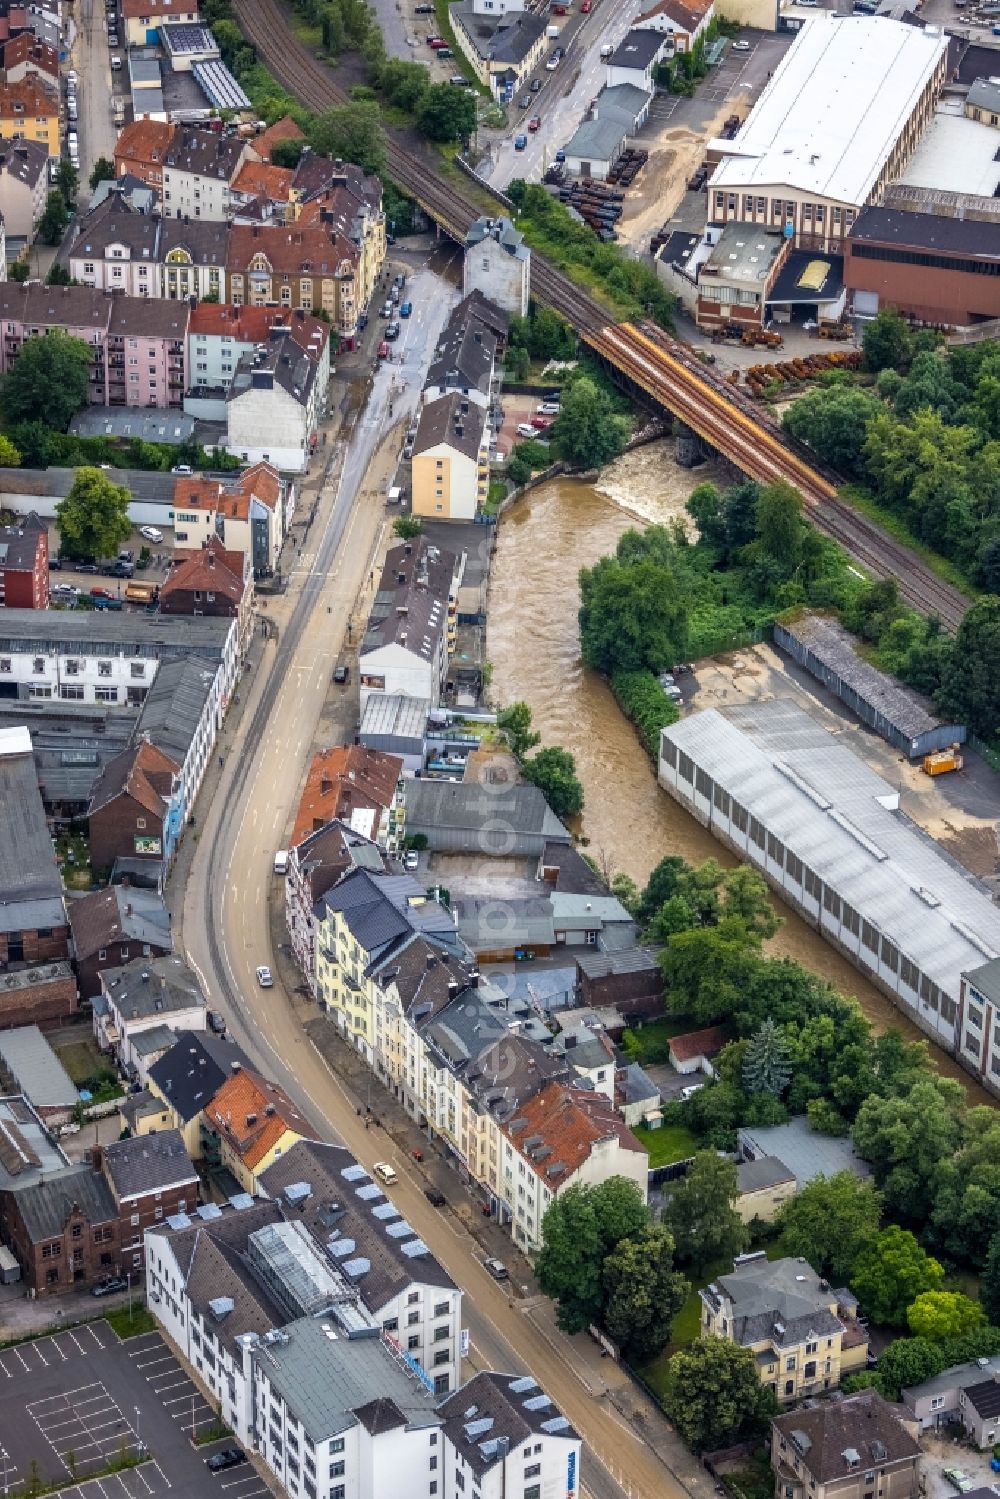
(138, 1438)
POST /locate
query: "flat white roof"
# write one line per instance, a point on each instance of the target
(838, 102)
(957, 154)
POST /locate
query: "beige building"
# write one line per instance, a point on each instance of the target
(982, 102)
(804, 1335)
(858, 1448)
(451, 459)
(764, 1185)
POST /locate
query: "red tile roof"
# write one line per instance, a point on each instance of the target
(704, 1043)
(253, 1115)
(260, 179)
(284, 129)
(261, 482)
(564, 1124)
(252, 325)
(311, 250)
(25, 48)
(209, 569)
(142, 143)
(344, 780)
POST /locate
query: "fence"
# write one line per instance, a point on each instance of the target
(672, 1172)
(989, 752)
(706, 642)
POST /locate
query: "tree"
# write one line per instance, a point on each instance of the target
(286, 153)
(972, 685)
(642, 1293)
(936, 1315)
(580, 1229)
(352, 132)
(587, 429)
(407, 526)
(765, 1062)
(708, 970)
(701, 1216)
(9, 454)
(634, 606)
(907, 1362)
(49, 381)
(989, 1285)
(19, 271)
(446, 113)
(553, 771)
(890, 1272)
(104, 171)
(515, 722)
(906, 1139)
(830, 1222)
(93, 519)
(833, 421)
(58, 275)
(888, 342)
(714, 1396)
(67, 180)
(403, 83)
(779, 526)
(55, 217)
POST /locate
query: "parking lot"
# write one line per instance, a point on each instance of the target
(73, 1402)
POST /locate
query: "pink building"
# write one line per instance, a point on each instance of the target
(139, 345)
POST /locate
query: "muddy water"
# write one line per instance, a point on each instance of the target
(533, 643)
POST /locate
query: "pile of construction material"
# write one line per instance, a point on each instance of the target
(597, 204)
(628, 166)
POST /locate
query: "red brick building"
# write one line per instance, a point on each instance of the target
(150, 1177)
(933, 268)
(112, 926)
(62, 1228)
(24, 565)
(129, 805)
(210, 580)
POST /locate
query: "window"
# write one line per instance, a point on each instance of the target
(104, 668)
(38, 665)
(534, 1492)
(337, 1445)
(337, 1470)
(137, 669)
(790, 1362)
(535, 1471)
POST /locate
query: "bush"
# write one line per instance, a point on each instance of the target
(643, 700)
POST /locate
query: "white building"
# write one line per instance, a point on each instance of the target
(143, 996)
(412, 625)
(825, 831)
(219, 335)
(977, 1029)
(636, 57)
(24, 187)
(834, 126)
(250, 515)
(198, 171)
(682, 21)
(506, 1439)
(498, 264)
(274, 406)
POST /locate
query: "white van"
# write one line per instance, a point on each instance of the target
(607, 50)
(281, 861)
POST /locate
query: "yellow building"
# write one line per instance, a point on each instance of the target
(804, 1335)
(249, 1124)
(29, 110)
(450, 467)
(764, 1185)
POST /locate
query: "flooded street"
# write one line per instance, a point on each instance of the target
(629, 823)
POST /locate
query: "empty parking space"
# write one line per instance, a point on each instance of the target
(175, 1390)
(61, 1348)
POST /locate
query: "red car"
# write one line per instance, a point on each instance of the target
(540, 423)
(437, 42)
(383, 350)
(534, 123)
(586, 7)
(101, 593)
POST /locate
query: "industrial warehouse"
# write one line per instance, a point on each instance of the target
(828, 834)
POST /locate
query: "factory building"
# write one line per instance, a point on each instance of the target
(828, 834)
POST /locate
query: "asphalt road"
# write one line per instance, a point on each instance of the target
(225, 917)
(92, 61)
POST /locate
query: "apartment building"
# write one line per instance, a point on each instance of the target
(963, 1395)
(220, 336)
(805, 1336)
(24, 54)
(210, 581)
(116, 247)
(251, 514)
(29, 110)
(274, 407)
(147, 352)
(133, 812)
(24, 564)
(143, 18)
(249, 1124)
(143, 995)
(59, 1220)
(24, 186)
(316, 863)
(150, 1177)
(464, 361)
(855, 1447)
(412, 627)
(112, 925)
(307, 266)
(140, 150)
(498, 264)
(199, 167)
(261, 193)
(505, 1439)
(450, 464)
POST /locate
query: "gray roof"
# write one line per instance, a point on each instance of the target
(27, 1150)
(73, 632)
(328, 1380)
(282, 362)
(574, 911)
(463, 1030)
(765, 1171)
(37, 1070)
(463, 807)
(155, 1041)
(118, 913)
(133, 421)
(137, 1106)
(493, 1414)
(778, 1300)
(148, 1163)
(395, 714)
(985, 94)
(24, 161)
(986, 979)
(598, 965)
(381, 908)
(174, 706)
(151, 488)
(927, 231)
(636, 1085)
(194, 1070)
(411, 604)
(501, 232)
(334, 1209)
(46, 1203)
(600, 139)
(957, 1377)
(212, 1255)
(219, 86)
(465, 351)
(485, 922)
(624, 98)
(637, 49)
(834, 813)
(206, 153)
(30, 885)
(805, 1153)
(152, 986)
(510, 1070)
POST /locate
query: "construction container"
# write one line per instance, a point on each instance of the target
(941, 761)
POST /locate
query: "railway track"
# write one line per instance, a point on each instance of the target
(660, 366)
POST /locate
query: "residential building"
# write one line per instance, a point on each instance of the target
(29, 110)
(412, 626)
(834, 126)
(117, 247)
(220, 335)
(837, 1449)
(764, 1184)
(464, 361)
(498, 264)
(113, 925)
(806, 1153)
(249, 1124)
(565, 1136)
(150, 1177)
(450, 465)
(316, 863)
(503, 52)
(145, 994)
(24, 564)
(349, 203)
(24, 186)
(61, 1224)
(198, 171)
(147, 352)
(142, 1113)
(187, 1078)
(820, 825)
(27, 311)
(140, 151)
(182, 715)
(130, 190)
(511, 820)
(249, 514)
(273, 406)
(528, 1447)
(682, 21)
(36, 983)
(982, 102)
(38, 1074)
(133, 812)
(211, 581)
(284, 129)
(359, 787)
(963, 1395)
(805, 1337)
(24, 54)
(936, 266)
(630, 981)
(407, 1292)
(636, 57)
(262, 193)
(694, 1051)
(143, 18)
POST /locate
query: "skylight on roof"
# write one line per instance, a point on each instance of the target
(384, 1211)
(354, 1173)
(400, 1230)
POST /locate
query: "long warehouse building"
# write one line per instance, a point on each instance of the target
(827, 833)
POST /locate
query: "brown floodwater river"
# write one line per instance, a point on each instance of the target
(629, 823)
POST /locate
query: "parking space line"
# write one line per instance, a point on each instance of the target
(63, 1395)
(92, 1327)
(6, 1371)
(164, 1358)
(174, 1384)
(73, 1338)
(163, 1475)
(20, 1356)
(59, 1349)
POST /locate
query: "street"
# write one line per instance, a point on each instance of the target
(92, 61)
(224, 922)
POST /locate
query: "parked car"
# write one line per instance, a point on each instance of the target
(560, 156)
(524, 102)
(437, 42)
(406, 309)
(150, 533)
(229, 1457)
(535, 85)
(411, 860)
(586, 7)
(387, 309)
(423, 10)
(542, 423)
(121, 569)
(72, 76)
(520, 141)
(524, 429)
(434, 1197)
(445, 52)
(392, 331)
(341, 675)
(109, 1286)
(217, 1022)
(264, 977)
(184, 469)
(101, 593)
(741, 46)
(496, 1268)
(383, 350)
(116, 63)
(535, 123)
(66, 591)
(961, 1481)
(386, 1173)
(547, 408)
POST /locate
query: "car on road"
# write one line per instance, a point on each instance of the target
(496, 1268)
(411, 861)
(535, 85)
(586, 7)
(121, 569)
(229, 1457)
(520, 141)
(385, 1173)
(116, 63)
(535, 123)
(960, 1480)
(387, 309)
(434, 1197)
(217, 1022)
(525, 429)
(406, 309)
(72, 76)
(264, 977)
(423, 10)
(101, 593)
(383, 350)
(341, 675)
(741, 46)
(392, 331)
(109, 1286)
(150, 533)
(524, 102)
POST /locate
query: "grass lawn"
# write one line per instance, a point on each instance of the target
(669, 1143)
(131, 1326)
(82, 1059)
(650, 1043)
